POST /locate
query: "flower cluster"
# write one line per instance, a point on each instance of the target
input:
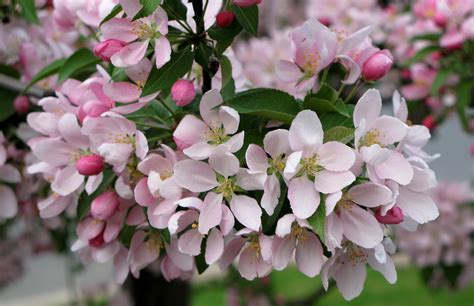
(158, 167)
(446, 243)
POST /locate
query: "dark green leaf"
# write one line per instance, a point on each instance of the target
(28, 10)
(464, 93)
(149, 6)
(203, 55)
(439, 81)
(85, 200)
(317, 221)
(81, 59)
(322, 106)
(114, 12)
(6, 103)
(201, 263)
(224, 36)
(126, 234)
(266, 103)
(47, 71)
(247, 17)
(175, 10)
(165, 77)
(339, 133)
(10, 71)
(228, 85)
(422, 54)
(429, 36)
(330, 120)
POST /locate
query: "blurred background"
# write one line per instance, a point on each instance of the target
(435, 264)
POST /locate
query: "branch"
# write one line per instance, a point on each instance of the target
(13, 84)
(199, 19)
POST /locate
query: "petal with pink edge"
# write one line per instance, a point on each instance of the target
(214, 246)
(309, 255)
(247, 211)
(361, 227)
(304, 199)
(330, 182)
(336, 156)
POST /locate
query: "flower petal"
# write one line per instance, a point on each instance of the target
(304, 199)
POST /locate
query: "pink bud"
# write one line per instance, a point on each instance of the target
(183, 92)
(430, 122)
(246, 3)
(440, 19)
(97, 241)
(104, 206)
(90, 165)
(225, 19)
(377, 66)
(21, 104)
(325, 21)
(107, 48)
(393, 216)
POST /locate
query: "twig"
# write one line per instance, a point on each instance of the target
(13, 84)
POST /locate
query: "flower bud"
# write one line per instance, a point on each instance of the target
(21, 104)
(104, 206)
(377, 66)
(107, 48)
(393, 216)
(430, 122)
(90, 165)
(225, 19)
(440, 19)
(183, 92)
(246, 3)
(97, 241)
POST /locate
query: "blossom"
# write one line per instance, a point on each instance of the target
(199, 139)
(138, 35)
(295, 234)
(313, 167)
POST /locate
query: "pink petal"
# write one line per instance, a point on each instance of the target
(247, 211)
(284, 225)
(370, 194)
(142, 195)
(214, 246)
(277, 143)
(189, 131)
(203, 178)
(395, 168)
(282, 250)
(130, 55)
(8, 203)
(190, 243)
(211, 212)
(209, 108)
(231, 250)
(122, 91)
(66, 181)
(350, 280)
(304, 199)
(224, 163)
(230, 119)
(118, 28)
(288, 71)
(256, 158)
(368, 108)
(309, 255)
(390, 129)
(306, 132)
(417, 205)
(162, 51)
(335, 156)
(271, 194)
(330, 182)
(361, 227)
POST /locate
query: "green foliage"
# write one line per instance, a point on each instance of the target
(47, 71)
(247, 17)
(339, 133)
(224, 36)
(318, 220)
(439, 81)
(228, 85)
(114, 12)
(267, 103)
(149, 6)
(80, 60)
(326, 100)
(175, 10)
(165, 77)
(28, 10)
(464, 95)
(6, 104)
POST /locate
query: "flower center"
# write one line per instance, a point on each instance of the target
(154, 242)
(310, 166)
(217, 136)
(276, 165)
(166, 175)
(371, 138)
(311, 64)
(226, 187)
(345, 203)
(298, 232)
(145, 31)
(355, 255)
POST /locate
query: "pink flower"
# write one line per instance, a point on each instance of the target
(348, 267)
(115, 139)
(224, 175)
(137, 35)
(422, 77)
(183, 92)
(314, 167)
(374, 134)
(347, 218)
(104, 206)
(199, 139)
(246, 3)
(316, 48)
(21, 104)
(225, 19)
(452, 40)
(255, 251)
(394, 216)
(295, 234)
(277, 144)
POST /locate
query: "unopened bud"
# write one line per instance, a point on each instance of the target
(107, 48)
(377, 66)
(183, 92)
(90, 165)
(225, 19)
(393, 216)
(104, 206)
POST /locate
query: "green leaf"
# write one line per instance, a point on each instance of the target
(430, 36)
(114, 12)
(126, 234)
(175, 10)
(149, 6)
(203, 55)
(159, 79)
(201, 263)
(6, 103)
(224, 36)
(330, 120)
(317, 221)
(28, 10)
(228, 84)
(322, 106)
(81, 59)
(247, 17)
(339, 133)
(439, 81)
(85, 200)
(464, 93)
(10, 71)
(266, 103)
(422, 54)
(47, 71)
